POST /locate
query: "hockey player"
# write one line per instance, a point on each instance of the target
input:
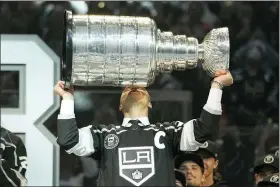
(136, 152)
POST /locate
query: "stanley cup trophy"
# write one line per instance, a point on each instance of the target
(124, 51)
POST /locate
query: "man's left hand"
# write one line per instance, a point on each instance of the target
(224, 77)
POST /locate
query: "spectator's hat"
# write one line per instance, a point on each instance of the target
(269, 160)
(208, 150)
(178, 160)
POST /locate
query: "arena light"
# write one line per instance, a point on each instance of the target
(228, 3)
(101, 4)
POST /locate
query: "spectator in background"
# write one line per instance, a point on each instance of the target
(264, 166)
(209, 153)
(253, 86)
(257, 40)
(192, 166)
(269, 62)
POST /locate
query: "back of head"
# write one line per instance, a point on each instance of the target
(134, 98)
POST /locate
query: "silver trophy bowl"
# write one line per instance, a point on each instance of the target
(122, 51)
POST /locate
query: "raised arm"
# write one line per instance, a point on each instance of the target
(193, 134)
(70, 137)
(198, 131)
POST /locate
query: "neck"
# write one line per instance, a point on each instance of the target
(134, 114)
(209, 180)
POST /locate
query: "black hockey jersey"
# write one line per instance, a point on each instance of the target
(13, 160)
(136, 153)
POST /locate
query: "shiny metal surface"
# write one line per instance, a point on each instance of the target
(122, 51)
(214, 51)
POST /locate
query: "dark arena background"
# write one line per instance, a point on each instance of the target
(31, 47)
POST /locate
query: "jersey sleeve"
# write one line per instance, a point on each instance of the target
(81, 142)
(13, 163)
(193, 134)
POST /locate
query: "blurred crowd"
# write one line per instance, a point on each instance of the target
(250, 124)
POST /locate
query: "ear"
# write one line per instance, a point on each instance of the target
(150, 105)
(120, 108)
(216, 164)
(256, 176)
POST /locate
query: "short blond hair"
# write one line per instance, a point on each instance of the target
(134, 97)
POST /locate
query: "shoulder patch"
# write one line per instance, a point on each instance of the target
(111, 141)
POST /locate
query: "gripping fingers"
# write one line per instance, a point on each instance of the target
(220, 72)
(61, 84)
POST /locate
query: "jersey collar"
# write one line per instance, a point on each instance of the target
(143, 120)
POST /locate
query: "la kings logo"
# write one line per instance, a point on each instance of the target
(136, 164)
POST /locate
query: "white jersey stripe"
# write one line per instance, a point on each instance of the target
(9, 179)
(166, 128)
(106, 130)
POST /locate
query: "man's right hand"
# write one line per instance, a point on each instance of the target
(65, 94)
